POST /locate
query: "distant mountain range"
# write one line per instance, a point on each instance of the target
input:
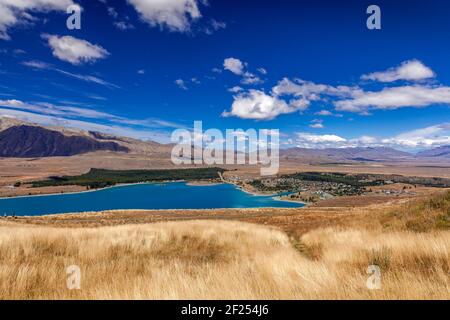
(365, 154)
(30, 141)
(25, 140)
(441, 152)
(359, 154)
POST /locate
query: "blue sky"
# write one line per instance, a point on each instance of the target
(312, 69)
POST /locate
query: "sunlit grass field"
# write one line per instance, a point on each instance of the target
(233, 260)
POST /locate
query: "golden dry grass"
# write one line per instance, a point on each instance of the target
(220, 260)
(423, 215)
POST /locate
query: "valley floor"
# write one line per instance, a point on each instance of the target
(13, 170)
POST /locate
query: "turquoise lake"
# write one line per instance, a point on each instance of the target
(176, 195)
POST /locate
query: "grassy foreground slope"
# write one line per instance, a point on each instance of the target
(232, 260)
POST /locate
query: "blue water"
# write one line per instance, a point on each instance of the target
(177, 195)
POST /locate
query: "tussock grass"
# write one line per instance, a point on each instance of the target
(421, 216)
(221, 260)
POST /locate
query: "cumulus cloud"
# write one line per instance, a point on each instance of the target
(258, 105)
(412, 70)
(298, 94)
(16, 12)
(234, 65)
(73, 50)
(301, 93)
(394, 98)
(174, 15)
(286, 97)
(238, 67)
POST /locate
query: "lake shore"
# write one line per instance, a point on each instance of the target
(177, 195)
(74, 189)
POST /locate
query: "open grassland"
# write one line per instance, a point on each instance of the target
(218, 259)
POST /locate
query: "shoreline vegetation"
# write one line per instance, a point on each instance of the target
(101, 178)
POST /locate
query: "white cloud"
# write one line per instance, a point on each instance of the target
(302, 93)
(395, 97)
(214, 26)
(299, 104)
(317, 124)
(88, 78)
(112, 12)
(114, 129)
(310, 90)
(235, 89)
(324, 113)
(424, 138)
(262, 70)
(234, 65)
(120, 24)
(258, 105)
(313, 141)
(195, 80)
(429, 137)
(39, 65)
(123, 25)
(412, 70)
(73, 50)
(14, 12)
(298, 94)
(55, 110)
(251, 79)
(67, 115)
(238, 67)
(181, 84)
(141, 71)
(175, 15)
